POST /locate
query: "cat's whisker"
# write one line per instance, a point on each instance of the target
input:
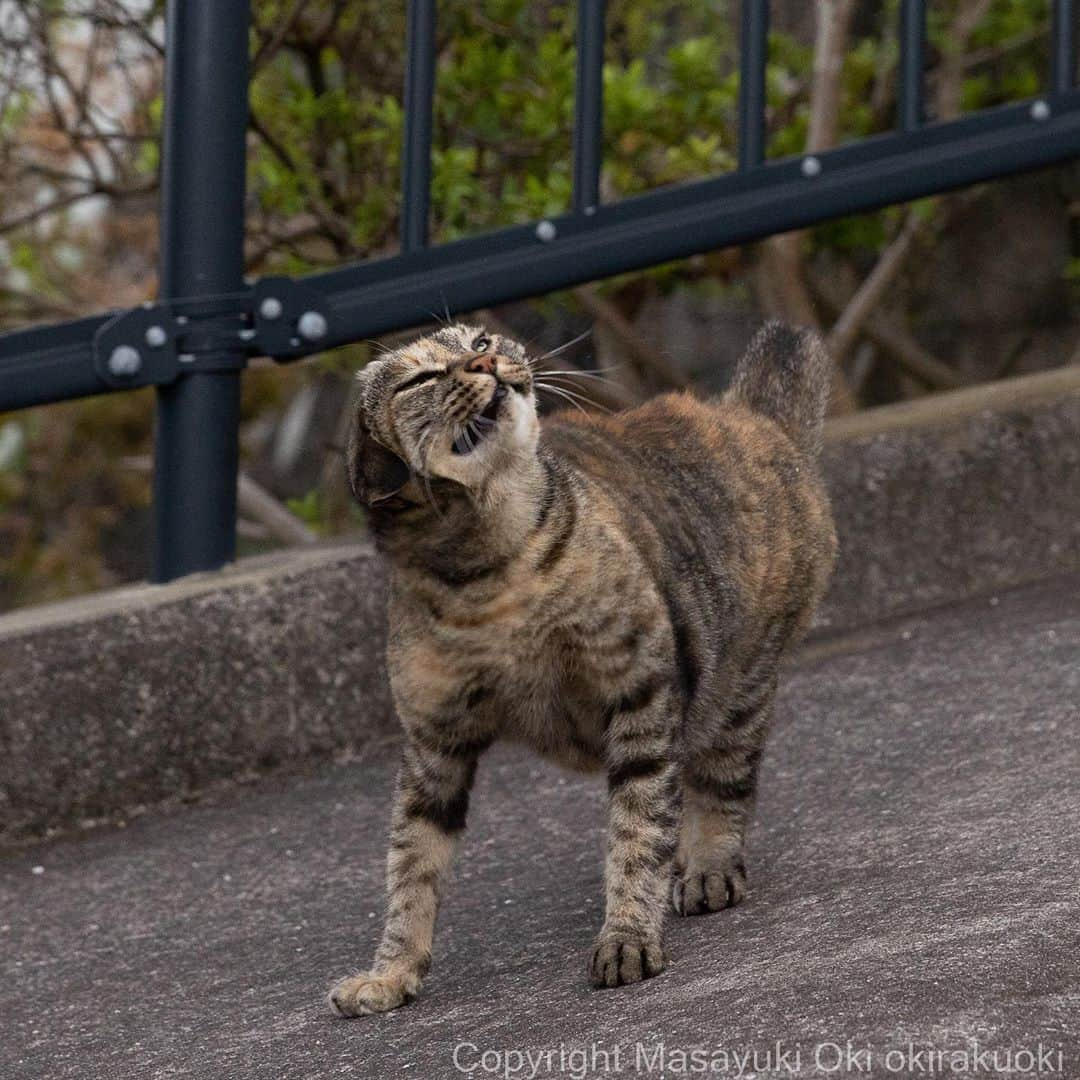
(438, 319)
(527, 343)
(431, 498)
(577, 406)
(577, 373)
(568, 345)
(380, 346)
(592, 403)
(544, 384)
(581, 392)
(562, 392)
(467, 435)
(427, 437)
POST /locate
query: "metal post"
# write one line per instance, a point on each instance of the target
(753, 58)
(1063, 58)
(416, 151)
(589, 106)
(909, 109)
(202, 254)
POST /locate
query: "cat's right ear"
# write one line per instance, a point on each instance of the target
(375, 473)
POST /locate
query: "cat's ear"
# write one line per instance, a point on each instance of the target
(375, 473)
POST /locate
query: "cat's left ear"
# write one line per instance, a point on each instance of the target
(375, 473)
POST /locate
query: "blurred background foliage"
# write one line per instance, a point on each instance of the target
(915, 299)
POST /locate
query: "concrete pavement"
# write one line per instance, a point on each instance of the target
(913, 880)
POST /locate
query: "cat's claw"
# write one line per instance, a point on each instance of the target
(697, 890)
(622, 957)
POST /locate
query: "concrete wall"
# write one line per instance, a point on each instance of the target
(955, 494)
(152, 692)
(143, 693)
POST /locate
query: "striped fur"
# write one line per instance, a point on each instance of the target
(616, 593)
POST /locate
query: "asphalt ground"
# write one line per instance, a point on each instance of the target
(914, 888)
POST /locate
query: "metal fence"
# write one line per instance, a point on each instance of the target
(195, 341)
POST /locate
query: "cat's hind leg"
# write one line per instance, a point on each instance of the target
(719, 787)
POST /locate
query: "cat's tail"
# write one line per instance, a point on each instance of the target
(786, 374)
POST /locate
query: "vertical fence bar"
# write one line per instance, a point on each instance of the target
(589, 106)
(416, 151)
(910, 111)
(1063, 56)
(202, 253)
(753, 58)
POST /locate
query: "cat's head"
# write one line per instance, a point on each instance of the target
(455, 406)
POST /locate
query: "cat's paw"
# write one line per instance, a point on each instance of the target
(624, 956)
(361, 995)
(698, 890)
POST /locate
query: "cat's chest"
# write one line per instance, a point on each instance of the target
(528, 648)
(543, 702)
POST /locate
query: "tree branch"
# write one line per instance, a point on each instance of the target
(845, 331)
(256, 502)
(28, 217)
(270, 45)
(897, 342)
(950, 78)
(830, 45)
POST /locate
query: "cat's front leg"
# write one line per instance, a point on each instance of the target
(429, 815)
(644, 796)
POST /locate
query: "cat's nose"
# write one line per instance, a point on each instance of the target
(481, 364)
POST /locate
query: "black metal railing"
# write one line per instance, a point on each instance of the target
(193, 343)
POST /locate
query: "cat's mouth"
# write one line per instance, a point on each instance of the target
(481, 425)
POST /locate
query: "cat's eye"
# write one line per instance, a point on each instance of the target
(416, 380)
(481, 344)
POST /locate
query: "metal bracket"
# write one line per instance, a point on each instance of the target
(154, 344)
(291, 319)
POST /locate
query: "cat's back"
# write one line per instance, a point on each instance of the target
(679, 453)
(705, 485)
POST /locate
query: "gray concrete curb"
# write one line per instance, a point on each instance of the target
(152, 692)
(137, 695)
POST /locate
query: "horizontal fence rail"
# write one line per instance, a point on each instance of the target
(209, 322)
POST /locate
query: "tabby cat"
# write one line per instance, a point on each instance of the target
(616, 592)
